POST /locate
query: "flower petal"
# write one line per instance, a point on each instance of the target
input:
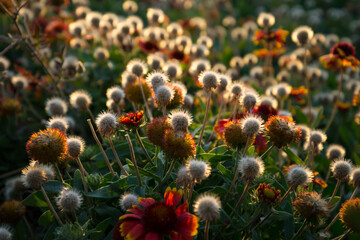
(172, 197)
(136, 233)
(146, 202)
(153, 236)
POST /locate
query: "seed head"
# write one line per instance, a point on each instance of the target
(5, 233)
(172, 68)
(302, 35)
(76, 146)
(265, 20)
(188, 101)
(155, 16)
(180, 120)
(251, 168)
(282, 91)
(270, 101)
(163, 95)
(4, 64)
(19, 82)
(335, 151)
(80, 99)
(155, 61)
(199, 170)
(355, 176)
(198, 66)
(179, 148)
(130, 6)
(299, 176)
(234, 136)
(49, 170)
(209, 80)
(249, 100)
(184, 177)
(69, 200)
(207, 207)
(157, 79)
(311, 206)
(137, 67)
(252, 125)
(236, 89)
(106, 123)
(281, 131)
(305, 131)
(341, 169)
(34, 177)
(127, 78)
(224, 82)
(56, 107)
(128, 200)
(350, 213)
(236, 62)
(116, 94)
(317, 136)
(59, 123)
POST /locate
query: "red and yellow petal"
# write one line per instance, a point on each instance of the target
(172, 196)
(187, 225)
(152, 236)
(146, 202)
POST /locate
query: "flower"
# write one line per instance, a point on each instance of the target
(56, 107)
(349, 214)
(276, 37)
(155, 130)
(34, 177)
(155, 220)
(299, 176)
(69, 200)
(11, 211)
(106, 123)
(281, 131)
(132, 120)
(234, 136)
(250, 168)
(76, 146)
(179, 148)
(199, 170)
(133, 91)
(180, 120)
(252, 125)
(341, 169)
(297, 93)
(311, 206)
(265, 111)
(47, 146)
(207, 207)
(341, 55)
(209, 80)
(128, 200)
(268, 194)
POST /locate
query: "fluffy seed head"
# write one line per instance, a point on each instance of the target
(236, 90)
(80, 99)
(282, 90)
(350, 213)
(101, 54)
(355, 177)
(188, 101)
(127, 201)
(341, 169)
(59, 123)
(19, 82)
(49, 170)
(236, 62)
(199, 170)
(184, 176)
(4, 63)
(209, 80)
(69, 200)
(249, 100)
(56, 107)
(180, 120)
(335, 151)
(34, 177)
(155, 61)
(172, 69)
(116, 94)
(106, 123)
(302, 35)
(270, 101)
(224, 81)
(305, 131)
(130, 6)
(198, 66)
(157, 79)
(163, 95)
(311, 206)
(251, 168)
(317, 136)
(76, 146)
(137, 67)
(265, 19)
(5, 233)
(207, 207)
(299, 176)
(252, 125)
(127, 78)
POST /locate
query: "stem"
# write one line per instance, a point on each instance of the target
(344, 236)
(164, 110)
(205, 118)
(206, 230)
(335, 191)
(51, 206)
(218, 116)
(236, 173)
(58, 173)
(28, 226)
(138, 138)
(307, 82)
(117, 157)
(167, 173)
(300, 231)
(246, 189)
(191, 189)
(82, 171)
(235, 110)
(145, 100)
(90, 113)
(246, 146)
(333, 113)
(101, 148)
(266, 153)
(132, 153)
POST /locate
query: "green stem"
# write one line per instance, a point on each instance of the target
(205, 118)
(301, 231)
(58, 173)
(167, 175)
(206, 230)
(267, 152)
(246, 189)
(132, 153)
(138, 138)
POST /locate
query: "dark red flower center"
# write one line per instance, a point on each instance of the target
(343, 49)
(159, 218)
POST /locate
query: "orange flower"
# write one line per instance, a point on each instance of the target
(276, 37)
(11, 211)
(343, 106)
(356, 100)
(341, 55)
(297, 93)
(274, 53)
(268, 194)
(177, 147)
(153, 220)
(132, 120)
(281, 131)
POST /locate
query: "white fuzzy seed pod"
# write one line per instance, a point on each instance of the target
(355, 177)
(184, 176)
(251, 168)
(164, 94)
(80, 99)
(56, 107)
(106, 123)
(249, 100)
(19, 82)
(207, 207)
(317, 136)
(209, 80)
(5, 233)
(49, 170)
(188, 101)
(157, 79)
(34, 177)
(199, 170)
(137, 67)
(299, 176)
(180, 120)
(69, 200)
(127, 201)
(341, 169)
(59, 123)
(252, 125)
(76, 146)
(115, 93)
(335, 151)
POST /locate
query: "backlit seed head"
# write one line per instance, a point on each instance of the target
(34, 177)
(59, 123)
(198, 66)
(317, 136)
(155, 61)
(5, 233)
(305, 131)
(302, 35)
(209, 80)
(76, 146)
(249, 100)
(69, 200)
(252, 125)
(106, 123)
(282, 90)
(250, 59)
(101, 54)
(335, 151)
(56, 107)
(172, 68)
(207, 207)
(137, 67)
(130, 6)
(236, 62)
(164, 94)
(19, 82)
(155, 16)
(251, 168)
(188, 101)
(128, 200)
(184, 176)
(341, 169)
(4, 64)
(199, 170)
(270, 101)
(157, 79)
(127, 78)
(80, 99)
(180, 120)
(49, 170)
(265, 20)
(224, 82)
(219, 68)
(115, 93)
(299, 176)
(205, 40)
(197, 51)
(355, 176)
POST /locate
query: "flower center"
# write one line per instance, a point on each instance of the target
(269, 193)
(159, 218)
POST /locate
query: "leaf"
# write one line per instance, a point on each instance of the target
(281, 215)
(149, 174)
(224, 171)
(318, 118)
(36, 199)
(113, 190)
(334, 202)
(293, 156)
(46, 218)
(50, 232)
(100, 229)
(77, 180)
(300, 116)
(250, 151)
(55, 186)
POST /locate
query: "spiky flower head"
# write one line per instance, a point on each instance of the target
(137, 67)
(251, 168)
(198, 66)
(205, 40)
(316, 137)
(197, 51)
(132, 120)
(155, 15)
(59, 123)
(71, 66)
(207, 207)
(282, 91)
(157, 79)
(127, 78)
(199, 170)
(252, 125)
(224, 82)
(209, 80)
(164, 94)
(5, 233)
(116, 94)
(155, 130)
(281, 131)
(69, 200)
(49, 170)
(133, 92)
(81, 100)
(335, 151)
(299, 176)
(11, 211)
(234, 136)
(302, 35)
(101, 54)
(128, 200)
(355, 176)
(19, 82)
(189, 101)
(341, 169)
(179, 148)
(106, 123)
(130, 6)
(236, 89)
(305, 131)
(184, 177)
(34, 177)
(219, 68)
(311, 206)
(265, 20)
(180, 120)
(76, 146)
(56, 107)
(350, 213)
(268, 194)
(172, 68)
(155, 61)
(249, 100)
(236, 62)
(47, 146)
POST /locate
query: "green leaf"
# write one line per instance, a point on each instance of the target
(251, 151)
(281, 215)
(50, 232)
(55, 186)
(293, 156)
(77, 180)
(149, 174)
(100, 229)
(36, 199)
(113, 190)
(318, 118)
(301, 117)
(334, 202)
(224, 171)
(46, 218)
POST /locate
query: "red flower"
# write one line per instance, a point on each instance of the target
(297, 94)
(265, 111)
(277, 37)
(341, 55)
(132, 120)
(153, 220)
(268, 194)
(219, 127)
(274, 53)
(149, 46)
